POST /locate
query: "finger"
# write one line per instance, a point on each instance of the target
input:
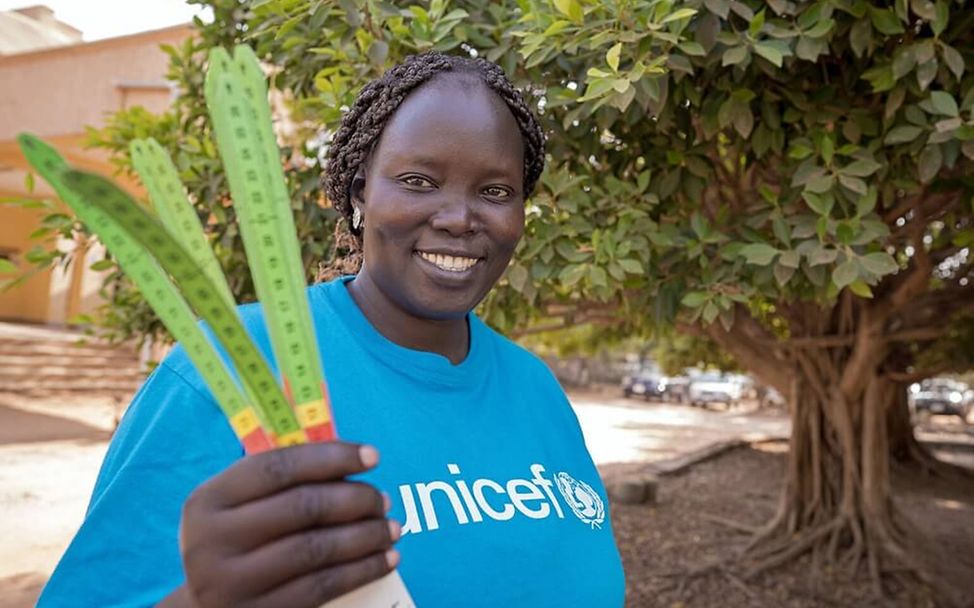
(270, 472)
(312, 590)
(301, 508)
(312, 550)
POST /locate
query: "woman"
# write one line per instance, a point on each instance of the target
(482, 459)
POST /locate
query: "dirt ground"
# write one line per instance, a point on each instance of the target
(660, 544)
(50, 450)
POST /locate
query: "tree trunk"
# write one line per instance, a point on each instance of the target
(902, 442)
(837, 501)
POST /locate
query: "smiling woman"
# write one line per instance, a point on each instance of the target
(431, 169)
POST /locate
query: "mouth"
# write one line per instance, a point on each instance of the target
(450, 263)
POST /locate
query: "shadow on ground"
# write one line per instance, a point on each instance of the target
(21, 590)
(21, 426)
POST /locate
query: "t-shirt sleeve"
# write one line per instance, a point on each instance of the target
(126, 553)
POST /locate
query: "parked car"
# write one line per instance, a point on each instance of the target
(645, 383)
(937, 396)
(710, 388)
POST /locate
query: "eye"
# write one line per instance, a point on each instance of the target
(498, 192)
(414, 180)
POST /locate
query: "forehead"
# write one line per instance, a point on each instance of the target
(453, 116)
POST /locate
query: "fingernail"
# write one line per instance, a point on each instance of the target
(392, 558)
(369, 456)
(395, 530)
(386, 502)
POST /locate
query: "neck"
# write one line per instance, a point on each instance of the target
(447, 337)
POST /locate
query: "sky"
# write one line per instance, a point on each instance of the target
(99, 19)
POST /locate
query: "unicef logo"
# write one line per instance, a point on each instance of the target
(582, 499)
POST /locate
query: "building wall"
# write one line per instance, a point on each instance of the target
(55, 93)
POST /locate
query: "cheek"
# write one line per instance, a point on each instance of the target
(509, 226)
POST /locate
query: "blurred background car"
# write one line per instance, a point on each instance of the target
(646, 383)
(713, 387)
(941, 396)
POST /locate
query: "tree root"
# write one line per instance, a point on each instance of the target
(729, 523)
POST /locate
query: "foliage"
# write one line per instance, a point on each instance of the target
(707, 158)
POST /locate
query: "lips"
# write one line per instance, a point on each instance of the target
(449, 262)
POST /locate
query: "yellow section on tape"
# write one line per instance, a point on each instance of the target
(293, 438)
(312, 413)
(244, 422)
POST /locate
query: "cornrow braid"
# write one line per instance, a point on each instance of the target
(378, 101)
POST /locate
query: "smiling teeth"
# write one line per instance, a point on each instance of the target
(449, 262)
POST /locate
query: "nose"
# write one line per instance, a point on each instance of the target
(458, 216)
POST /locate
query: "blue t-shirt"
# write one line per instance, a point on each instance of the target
(484, 461)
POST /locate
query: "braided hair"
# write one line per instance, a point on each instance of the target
(378, 101)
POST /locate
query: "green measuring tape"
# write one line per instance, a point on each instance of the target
(237, 100)
(155, 286)
(161, 179)
(170, 260)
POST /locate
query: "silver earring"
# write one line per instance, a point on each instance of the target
(357, 218)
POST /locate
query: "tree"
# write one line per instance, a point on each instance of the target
(789, 180)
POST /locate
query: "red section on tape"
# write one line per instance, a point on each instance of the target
(256, 442)
(321, 432)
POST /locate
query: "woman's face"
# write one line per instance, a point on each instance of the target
(443, 200)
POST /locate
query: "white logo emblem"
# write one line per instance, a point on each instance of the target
(583, 500)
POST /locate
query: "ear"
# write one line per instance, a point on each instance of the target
(357, 189)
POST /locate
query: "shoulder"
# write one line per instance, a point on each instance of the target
(514, 358)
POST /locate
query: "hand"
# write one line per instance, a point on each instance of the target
(284, 528)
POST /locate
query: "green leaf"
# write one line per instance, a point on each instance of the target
(860, 37)
(572, 274)
(693, 49)
(758, 254)
(102, 265)
(861, 289)
(867, 203)
(631, 266)
(695, 299)
(571, 9)
(721, 8)
(568, 250)
(821, 184)
(612, 56)
(929, 163)
(7, 266)
(864, 167)
(853, 183)
(902, 134)
(820, 204)
(29, 182)
(821, 256)
(845, 273)
(783, 274)
(886, 21)
(926, 73)
(925, 9)
(710, 312)
(941, 17)
(754, 28)
(944, 103)
(683, 13)
(790, 259)
(517, 275)
(598, 277)
(953, 59)
(879, 263)
(734, 55)
(769, 52)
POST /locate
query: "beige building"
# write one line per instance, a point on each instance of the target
(53, 84)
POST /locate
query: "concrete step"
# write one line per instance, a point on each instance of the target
(91, 362)
(80, 385)
(68, 371)
(23, 348)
